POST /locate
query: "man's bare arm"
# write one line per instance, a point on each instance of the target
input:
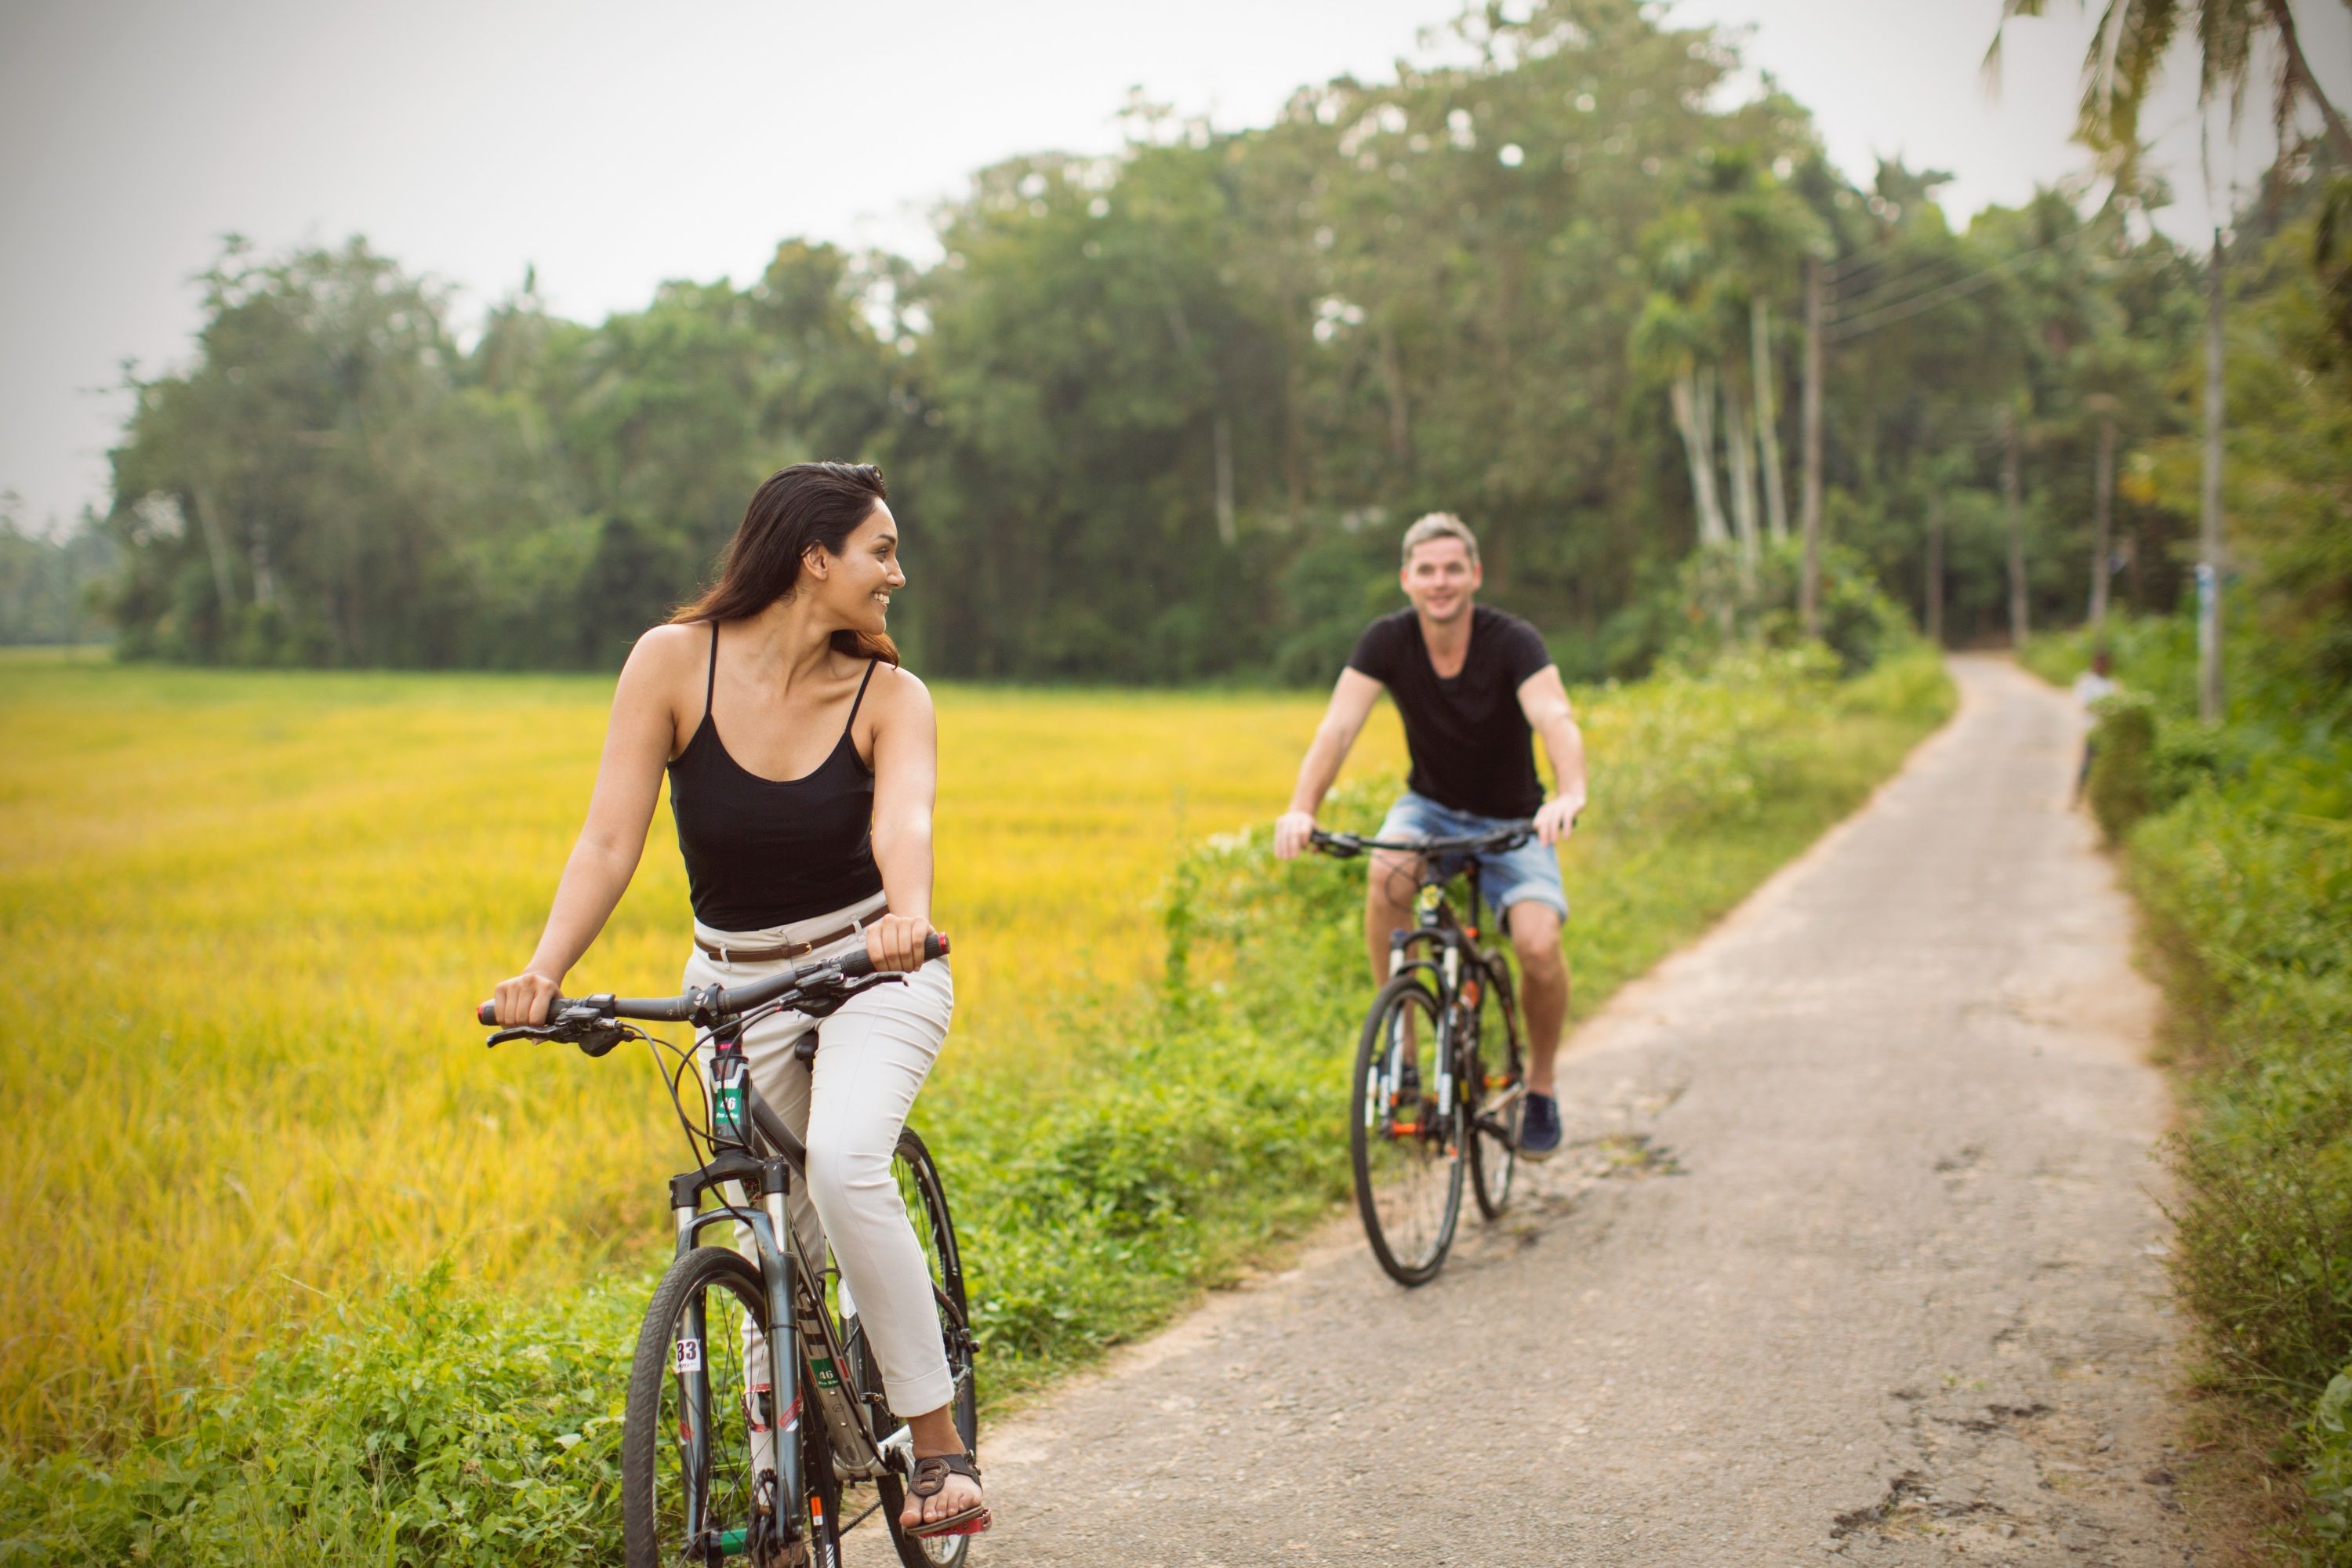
(1343, 720)
(1544, 700)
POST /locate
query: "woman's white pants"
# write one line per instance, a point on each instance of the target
(873, 1056)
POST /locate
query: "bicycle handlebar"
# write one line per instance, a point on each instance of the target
(712, 1001)
(1347, 845)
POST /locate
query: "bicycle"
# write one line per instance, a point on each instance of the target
(717, 1461)
(1407, 1137)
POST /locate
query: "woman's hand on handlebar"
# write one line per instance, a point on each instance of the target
(1293, 830)
(895, 942)
(525, 998)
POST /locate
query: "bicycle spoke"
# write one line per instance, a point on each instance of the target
(1406, 1143)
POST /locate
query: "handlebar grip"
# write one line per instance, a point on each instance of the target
(856, 965)
(487, 1012)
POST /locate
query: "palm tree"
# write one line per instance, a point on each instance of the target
(2127, 52)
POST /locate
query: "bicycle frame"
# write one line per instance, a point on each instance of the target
(1456, 953)
(793, 1312)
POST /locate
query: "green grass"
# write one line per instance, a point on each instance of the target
(1141, 1131)
(2239, 848)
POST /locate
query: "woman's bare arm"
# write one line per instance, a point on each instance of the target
(629, 780)
(906, 785)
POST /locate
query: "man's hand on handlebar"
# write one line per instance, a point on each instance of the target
(525, 998)
(1292, 830)
(893, 943)
(1557, 819)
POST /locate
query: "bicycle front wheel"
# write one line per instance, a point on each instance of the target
(1405, 1145)
(698, 1481)
(925, 1198)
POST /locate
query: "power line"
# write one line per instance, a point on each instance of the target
(1903, 310)
(1886, 286)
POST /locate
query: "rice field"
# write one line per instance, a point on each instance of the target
(244, 918)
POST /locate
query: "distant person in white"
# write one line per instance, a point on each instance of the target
(2090, 686)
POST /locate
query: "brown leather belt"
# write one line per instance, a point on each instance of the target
(726, 954)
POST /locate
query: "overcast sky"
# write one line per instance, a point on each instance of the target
(616, 145)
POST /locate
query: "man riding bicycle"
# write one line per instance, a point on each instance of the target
(1474, 685)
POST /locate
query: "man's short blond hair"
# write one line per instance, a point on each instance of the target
(1440, 525)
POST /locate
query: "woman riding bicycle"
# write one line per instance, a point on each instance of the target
(806, 832)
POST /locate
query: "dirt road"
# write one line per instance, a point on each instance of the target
(1855, 1257)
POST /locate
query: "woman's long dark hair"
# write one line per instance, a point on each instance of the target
(794, 508)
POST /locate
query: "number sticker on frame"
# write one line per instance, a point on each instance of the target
(688, 1356)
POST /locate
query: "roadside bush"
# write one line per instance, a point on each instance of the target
(1701, 611)
(2328, 1436)
(2239, 844)
(2123, 756)
(430, 1428)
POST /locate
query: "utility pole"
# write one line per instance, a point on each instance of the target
(2102, 510)
(2010, 504)
(1223, 433)
(1935, 617)
(1809, 580)
(2209, 568)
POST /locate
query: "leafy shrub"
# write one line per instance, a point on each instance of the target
(2240, 850)
(1702, 609)
(2122, 758)
(434, 1428)
(2327, 1438)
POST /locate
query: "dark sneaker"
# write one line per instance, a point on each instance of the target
(1539, 1127)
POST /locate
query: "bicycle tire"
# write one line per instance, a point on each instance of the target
(917, 1177)
(823, 1519)
(653, 1516)
(1500, 1062)
(1408, 1174)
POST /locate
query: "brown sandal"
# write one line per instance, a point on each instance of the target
(931, 1472)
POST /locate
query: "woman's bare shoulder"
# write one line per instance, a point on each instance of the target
(901, 691)
(670, 648)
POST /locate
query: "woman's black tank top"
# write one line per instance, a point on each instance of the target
(764, 852)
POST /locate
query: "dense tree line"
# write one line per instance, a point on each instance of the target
(1160, 416)
(47, 586)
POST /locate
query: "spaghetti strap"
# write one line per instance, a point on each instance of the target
(861, 693)
(710, 682)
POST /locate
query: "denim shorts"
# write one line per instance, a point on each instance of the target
(1530, 872)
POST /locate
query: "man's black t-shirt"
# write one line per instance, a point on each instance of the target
(1471, 746)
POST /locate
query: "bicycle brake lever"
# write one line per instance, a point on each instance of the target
(601, 1038)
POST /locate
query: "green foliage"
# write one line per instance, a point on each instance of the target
(46, 586)
(2328, 1439)
(1704, 611)
(1151, 416)
(433, 1427)
(428, 1428)
(2240, 850)
(2123, 759)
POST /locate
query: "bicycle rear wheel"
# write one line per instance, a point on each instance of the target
(1407, 1153)
(691, 1489)
(1499, 1100)
(925, 1198)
